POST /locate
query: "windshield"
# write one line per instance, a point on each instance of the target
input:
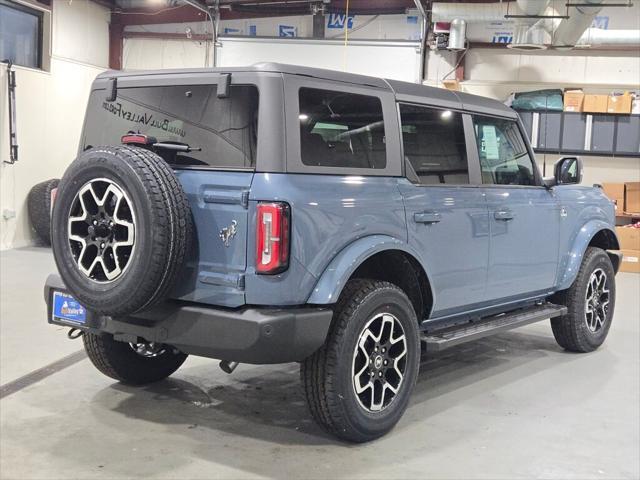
(219, 132)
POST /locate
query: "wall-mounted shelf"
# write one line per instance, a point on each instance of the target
(583, 133)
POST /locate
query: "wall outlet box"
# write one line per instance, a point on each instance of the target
(8, 214)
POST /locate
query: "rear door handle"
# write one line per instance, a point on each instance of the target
(503, 214)
(427, 217)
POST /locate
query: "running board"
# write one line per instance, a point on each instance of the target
(448, 337)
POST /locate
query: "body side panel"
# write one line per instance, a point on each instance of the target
(588, 211)
(453, 250)
(524, 248)
(328, 213)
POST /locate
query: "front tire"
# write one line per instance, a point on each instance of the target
(359, 383)
(131, 364)
(591, 301)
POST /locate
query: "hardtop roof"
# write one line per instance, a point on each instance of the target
(404, 91)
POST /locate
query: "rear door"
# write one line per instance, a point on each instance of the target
(524, 216)
(211, 141)
(447, 217)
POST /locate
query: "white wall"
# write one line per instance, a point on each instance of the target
(50, 110)
(152, 53)
(398, 60)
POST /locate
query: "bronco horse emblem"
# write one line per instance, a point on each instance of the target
(227, 233)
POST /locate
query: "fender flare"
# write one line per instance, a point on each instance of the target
(573, 259)
(337, 273)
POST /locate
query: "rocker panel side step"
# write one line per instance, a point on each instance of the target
(448, 337)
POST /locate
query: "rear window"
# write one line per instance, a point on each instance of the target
(339, 129)
(221, 132)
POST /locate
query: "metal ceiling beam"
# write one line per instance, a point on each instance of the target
(192, 11)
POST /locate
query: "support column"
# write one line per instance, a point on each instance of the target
(317, 10)
(116, 43)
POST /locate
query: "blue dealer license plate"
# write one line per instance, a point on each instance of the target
(67, 309)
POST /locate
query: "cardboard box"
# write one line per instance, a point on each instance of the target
(628, 237)
(615, 191)
(573, 100)
(619, 103)
(632, 197)
(630, 261)
(595, 103)
(451, 85)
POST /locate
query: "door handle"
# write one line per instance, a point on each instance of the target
(427, 217)
(503, 214)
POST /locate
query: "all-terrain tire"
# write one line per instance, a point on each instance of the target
(39, 208)
(327, 375)
(161, 216)
(572, 331)
(119, 361)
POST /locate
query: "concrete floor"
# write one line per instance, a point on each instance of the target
(510, 406)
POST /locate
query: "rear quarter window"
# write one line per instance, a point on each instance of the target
(222, 132)
(341, 130)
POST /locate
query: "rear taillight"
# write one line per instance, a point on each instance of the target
(272, 238)
(137, 139)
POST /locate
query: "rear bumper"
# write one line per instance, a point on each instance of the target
(248, 335)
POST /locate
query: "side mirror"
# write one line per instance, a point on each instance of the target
(566, 171)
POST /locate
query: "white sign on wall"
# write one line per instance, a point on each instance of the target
(287, 31)
(337, 20)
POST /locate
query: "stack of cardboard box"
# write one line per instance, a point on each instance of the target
(575, 100)
(627, 199)
(626, 196)
(629, 238)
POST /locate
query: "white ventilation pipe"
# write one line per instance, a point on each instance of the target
(599, 36)
(569, 30)
(533, 7)
(487, 12)
(525, 37)
(457, 35)
(470, 12)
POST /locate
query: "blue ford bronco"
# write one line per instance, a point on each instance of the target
(277, 214)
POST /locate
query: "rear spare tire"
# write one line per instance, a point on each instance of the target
(39, 206)
(121, 227)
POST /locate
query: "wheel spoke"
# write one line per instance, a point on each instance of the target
(597, 300)
(361, 388)
(101, 230)
(378, 362)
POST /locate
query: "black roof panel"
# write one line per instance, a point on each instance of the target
(404, 91)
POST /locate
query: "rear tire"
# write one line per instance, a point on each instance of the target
(121, 229)
(349, 382)
(119, 361)
(39, 207)
(591, 302)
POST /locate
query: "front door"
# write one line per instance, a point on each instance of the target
(524, 216)
(447, 217)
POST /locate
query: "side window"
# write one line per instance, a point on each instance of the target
(339, 129)
(504, 158)
(434, 144)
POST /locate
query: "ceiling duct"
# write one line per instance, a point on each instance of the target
(457, 35)
(599, 36)
(566, 33)
(570, 30)
(469, 12)
(524, 36)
